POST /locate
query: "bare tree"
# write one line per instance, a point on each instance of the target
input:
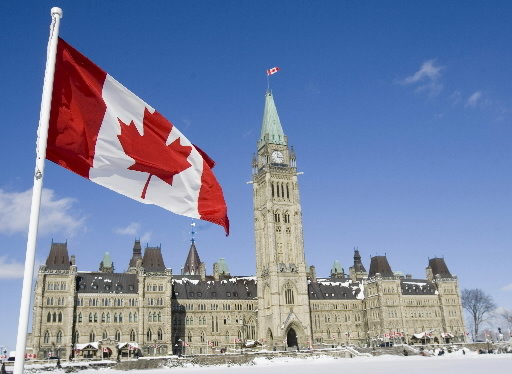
(506, 315)
(479, 306)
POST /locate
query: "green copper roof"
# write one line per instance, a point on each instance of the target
(107, 260)
(271, 129)
(223, 266)
(336, 268)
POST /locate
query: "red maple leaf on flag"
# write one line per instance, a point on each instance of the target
(150, 152)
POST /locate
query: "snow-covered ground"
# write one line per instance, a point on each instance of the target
(471, 363)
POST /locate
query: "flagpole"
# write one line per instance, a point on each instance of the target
(42, 136)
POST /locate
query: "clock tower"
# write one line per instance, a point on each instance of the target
(283, 304)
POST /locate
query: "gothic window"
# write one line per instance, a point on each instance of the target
(287, 191)
(160, 334)
(272, 186)
(115, 317)
(149, 335)
(92, 337)
(80, 317)
(288, 294)
(77, 336)
(103, 317)
(132, 336)
(251, 331)
(108, 317)
(150, 318)
(90, 317)
(135, 317)
(54, 317)
(202, 337)
(46, 338)
(95, 317)
(118, 335)
(120, 317)
(282, 190)
(130, 317)
(49, 317)
(105, 335)
(277, 185)
(59, 319)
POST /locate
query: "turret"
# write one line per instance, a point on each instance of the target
(58, 259)
(357, 271)
(136, 254)
(106, 265)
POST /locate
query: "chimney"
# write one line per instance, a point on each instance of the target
(216, 273)
(312, 273)
(202, 271)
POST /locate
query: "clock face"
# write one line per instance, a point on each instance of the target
(277, 157)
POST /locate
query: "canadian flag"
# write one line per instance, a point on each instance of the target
(102, 131)
(273, 70)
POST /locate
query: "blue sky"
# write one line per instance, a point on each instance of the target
(400, 113)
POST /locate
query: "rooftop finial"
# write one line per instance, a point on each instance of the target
(192, 232)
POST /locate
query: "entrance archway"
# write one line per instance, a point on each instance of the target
(291, 338)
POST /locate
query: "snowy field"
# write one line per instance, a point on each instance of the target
(454, 363)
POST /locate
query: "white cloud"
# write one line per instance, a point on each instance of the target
(131, 229)
(426, 78)
(11, 270)
(55, 215)
(474, 99)
(508, 287)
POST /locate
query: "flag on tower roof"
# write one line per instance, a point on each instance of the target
(273, 70)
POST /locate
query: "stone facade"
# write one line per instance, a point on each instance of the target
(148, 310)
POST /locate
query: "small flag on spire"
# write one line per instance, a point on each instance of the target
(273, 70)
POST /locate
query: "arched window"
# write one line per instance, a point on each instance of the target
(54, 319)
(251, 330)
(120, 317)
(46, 338)
(105, 335)
(149, 335)
(132, 336)
(95, 317)
(118, 335)
(49, 317)
(160, 318)
(77, 337)
(59, 319)
(150, 317)
(135, 317)
(160, 334)
(103, 319)
(202, 337)
(115, 317)
(130, 317)
(92, 337)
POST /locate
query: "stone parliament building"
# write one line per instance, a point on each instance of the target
(149, 310)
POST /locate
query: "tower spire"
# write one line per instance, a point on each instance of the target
(271, 129)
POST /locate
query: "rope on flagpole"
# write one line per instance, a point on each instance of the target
(42, 137)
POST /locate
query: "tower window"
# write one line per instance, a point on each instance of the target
(288, 294)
